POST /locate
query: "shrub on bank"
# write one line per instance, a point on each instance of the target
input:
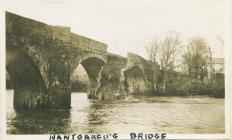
(178, 84)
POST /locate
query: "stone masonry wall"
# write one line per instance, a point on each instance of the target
(112, 79)
(47, 48)
(139, 75)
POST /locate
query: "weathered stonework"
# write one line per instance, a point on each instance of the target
(41, 57)
(92, 55)
(111, 78)
(138, 75)
(39, 52)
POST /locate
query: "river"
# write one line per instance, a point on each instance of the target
(189, 115)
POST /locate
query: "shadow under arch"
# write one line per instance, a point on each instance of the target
(134, 82)
(29, 87)
(93, 67)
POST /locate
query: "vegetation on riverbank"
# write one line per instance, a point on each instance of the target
(184, 69)
(178, 85)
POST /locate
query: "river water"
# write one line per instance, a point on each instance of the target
(134, 114)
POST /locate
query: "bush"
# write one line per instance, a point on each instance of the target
(178, 85)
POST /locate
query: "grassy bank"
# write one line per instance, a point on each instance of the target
(181, 85)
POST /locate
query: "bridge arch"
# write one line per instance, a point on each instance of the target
(28, 84)
(134, 80)
(96, 56)
(93, 65)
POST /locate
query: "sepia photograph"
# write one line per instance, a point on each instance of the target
(144, 68)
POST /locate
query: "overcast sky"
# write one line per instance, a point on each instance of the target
(128, 25)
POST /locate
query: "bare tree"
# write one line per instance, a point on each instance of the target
(168, 54)
(152, 50)
(164, 53)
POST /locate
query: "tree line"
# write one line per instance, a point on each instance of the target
(180, 68)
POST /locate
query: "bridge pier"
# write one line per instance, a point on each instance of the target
(27, 99)
(111, 86)
(59, 90)
(95, 84)
(60, 98)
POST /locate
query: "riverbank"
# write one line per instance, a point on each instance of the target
(181, 85)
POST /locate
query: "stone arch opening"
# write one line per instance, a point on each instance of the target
(92, 67)
(79, 79)
(26, 79)
(134, 81)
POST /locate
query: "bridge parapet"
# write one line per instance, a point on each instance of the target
(87, 44)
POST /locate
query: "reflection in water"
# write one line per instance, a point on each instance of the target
(134, 114)
(37, 122)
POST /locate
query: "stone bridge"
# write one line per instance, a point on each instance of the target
(40, 59)
(138, 75)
